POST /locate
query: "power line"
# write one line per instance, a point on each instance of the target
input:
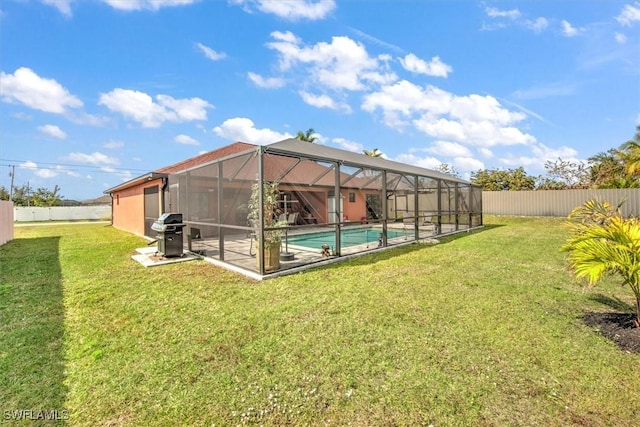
(57, 166)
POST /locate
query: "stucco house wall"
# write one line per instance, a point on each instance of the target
(128, 207)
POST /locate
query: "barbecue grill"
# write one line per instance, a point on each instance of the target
(169, 228)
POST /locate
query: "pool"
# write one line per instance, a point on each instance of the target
(348, 237)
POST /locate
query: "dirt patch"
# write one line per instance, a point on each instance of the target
(618, 327)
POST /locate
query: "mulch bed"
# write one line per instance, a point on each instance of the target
(618, 327)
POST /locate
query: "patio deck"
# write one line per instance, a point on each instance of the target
(240, 249)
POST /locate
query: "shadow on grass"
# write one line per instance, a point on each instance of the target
(615, 303)
(32, 367)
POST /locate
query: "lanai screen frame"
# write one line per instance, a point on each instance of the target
(442, 203)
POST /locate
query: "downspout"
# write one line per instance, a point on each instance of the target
(111, 195)
(165, 183)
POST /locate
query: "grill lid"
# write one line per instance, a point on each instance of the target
(170, 218)
(168, 222)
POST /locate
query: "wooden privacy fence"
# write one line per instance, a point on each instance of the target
(555, 202)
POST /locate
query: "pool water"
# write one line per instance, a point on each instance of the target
(348, 237)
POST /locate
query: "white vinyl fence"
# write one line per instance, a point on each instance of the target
(6, 221)
(555, 202)
(63, 213)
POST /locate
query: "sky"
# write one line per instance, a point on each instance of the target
(96, 92)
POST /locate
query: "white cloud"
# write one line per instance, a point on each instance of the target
(28, 165)
(243, 129)
(323, 101)
(621, 38)
(472, 119)
(63, 6)
(112, 145)
(38, 171)
(342, 64)
(186, 109)
(507, 18)
(36, 92)
(96, 158)
(423, 162)
(569, 30)
(540, 154)
(291, 9)
(348, 145)
(141, 107)
(129, 5)
(124, 175)
(630, 14)
(468, 164)
(210, 53)
(539, 25)
(492, 12)
(266, 82)
(435, 67)
(451, 149)
(486, 153)
(53, 131)
(185, 139)
(401, 100)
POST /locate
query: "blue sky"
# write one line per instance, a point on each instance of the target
(96, 92)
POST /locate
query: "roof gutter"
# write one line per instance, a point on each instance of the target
(139, 180)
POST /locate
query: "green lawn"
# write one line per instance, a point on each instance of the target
(483, 329)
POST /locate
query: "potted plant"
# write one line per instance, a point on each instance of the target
(273, 226)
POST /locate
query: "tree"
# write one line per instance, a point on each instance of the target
(26, 196)
(502, 180)
(4, 194)
(571, 174)
(22, 195)
(546, 183)
(307, 136)
(606, 170)
(45, 197)
(448, 169)
(630, 152)
(372, 153)
(602, 241)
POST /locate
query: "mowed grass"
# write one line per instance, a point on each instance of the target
(483, 329)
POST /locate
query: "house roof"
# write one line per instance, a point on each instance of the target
(183, 165)
(150, 176)
(236, 147)
(294, 146)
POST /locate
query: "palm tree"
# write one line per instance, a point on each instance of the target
(372, 153)
(306, 136)
(631, 154)
(603, 241)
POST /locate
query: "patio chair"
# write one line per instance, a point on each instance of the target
(293, 218)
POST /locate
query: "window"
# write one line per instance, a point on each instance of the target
(352, 197)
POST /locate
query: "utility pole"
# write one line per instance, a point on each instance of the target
(12, 174)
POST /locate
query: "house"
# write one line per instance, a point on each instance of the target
(349, 202)
(137, 203)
